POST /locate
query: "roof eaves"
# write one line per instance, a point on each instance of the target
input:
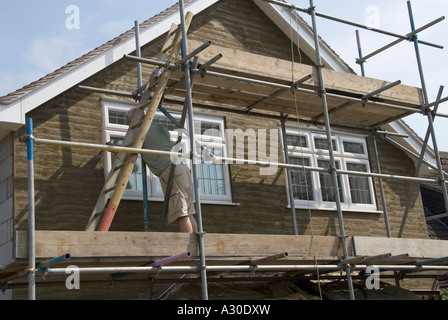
(24, 91)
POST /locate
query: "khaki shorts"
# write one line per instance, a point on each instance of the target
(181, 200)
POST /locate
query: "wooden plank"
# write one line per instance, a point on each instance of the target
(115, 248)
(267, 68)
(87, 244)
(416, 248)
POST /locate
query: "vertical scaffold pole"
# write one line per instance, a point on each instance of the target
(429, 113)
(144, 174)
(188, 98)
(31, 213)
(288, 177)
(361, 63)
(380, 185)
(332, 168)
(417, 170)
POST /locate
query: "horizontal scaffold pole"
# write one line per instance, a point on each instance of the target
(202, 71)
(218, 159)
(277, 93)
(39, 269)
(363, 99)
(409, 37)
(164, 64)
(437, 216)
(196, 51)
(354, 24)
(439, 101)
(107, 91)
(52, 262)
(241, 268)
(308, 91)
(157, 263)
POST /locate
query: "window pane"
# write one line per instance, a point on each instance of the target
(322, 143)
(359, 186)
(200, 127)
(301, 180)
(326, 183)
(135, 180)
(117, 117)
(354, 147)
(211, 175)
(296, 141)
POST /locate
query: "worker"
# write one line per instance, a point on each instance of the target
(180, 207)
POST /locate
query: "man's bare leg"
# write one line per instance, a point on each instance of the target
(187, 224)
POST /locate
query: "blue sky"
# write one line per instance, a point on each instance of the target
(35, 39)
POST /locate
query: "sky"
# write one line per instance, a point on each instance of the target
(38, 37)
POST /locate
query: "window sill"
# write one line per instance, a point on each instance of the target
(360, 210)
(203, 201)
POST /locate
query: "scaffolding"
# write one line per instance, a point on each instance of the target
(348, 262)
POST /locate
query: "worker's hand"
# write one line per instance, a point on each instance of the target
(155, 76)
(110, 143)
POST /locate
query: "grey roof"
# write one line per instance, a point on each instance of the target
(13, 96)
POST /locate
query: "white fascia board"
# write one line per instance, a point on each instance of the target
(284, 19)
(412, 142)
(15, 112)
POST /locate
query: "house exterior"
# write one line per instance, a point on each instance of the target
(236, 198)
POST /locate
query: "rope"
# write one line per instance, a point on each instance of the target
(299, 129)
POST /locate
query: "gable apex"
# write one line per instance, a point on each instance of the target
(14, 106)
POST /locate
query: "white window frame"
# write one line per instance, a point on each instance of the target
(154, 190)
(342, 158)
(215, 142)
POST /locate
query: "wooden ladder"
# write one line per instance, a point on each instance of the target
(124, 163)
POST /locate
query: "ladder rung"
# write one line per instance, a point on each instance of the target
(128, 145)
(175, 30)
(100, 213)
(170, 43)
(110, 189)
(168, 47)
(119, 167)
